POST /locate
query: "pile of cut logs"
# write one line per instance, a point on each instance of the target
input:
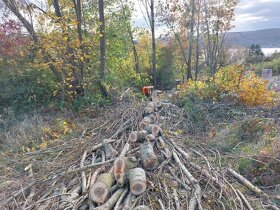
(137, 170)
(126, 179)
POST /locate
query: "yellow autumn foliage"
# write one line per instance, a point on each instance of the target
(246, 87)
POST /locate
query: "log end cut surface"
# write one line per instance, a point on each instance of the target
(133, 136)
(138, 187)
(99, 192)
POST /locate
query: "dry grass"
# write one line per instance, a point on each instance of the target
(22, 132)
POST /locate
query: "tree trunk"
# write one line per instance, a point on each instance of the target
(197, 40)
(189, 74)
(102, 44)
(135, 54)
(137, 181)
(153, 43)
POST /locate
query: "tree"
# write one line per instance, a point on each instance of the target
(102, 47)
(191, 35)
(255, 54)
(149, 6)
(217, 18)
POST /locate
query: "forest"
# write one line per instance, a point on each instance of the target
(76, 131)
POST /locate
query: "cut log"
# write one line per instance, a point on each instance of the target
(149, 108)
(153, 129)
(125, 149)
(101, 188)
(158, 104)
(121, 166)
(148, 118)
(149, 159)
(137, 181)
(152, 116)
(142, 125)
(150, 138)
(137, 136)
(112, 200)
(110, 152)
(120, 170)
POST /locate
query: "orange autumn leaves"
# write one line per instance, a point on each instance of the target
(233, 83)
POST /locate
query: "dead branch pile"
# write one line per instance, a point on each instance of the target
(138, 163)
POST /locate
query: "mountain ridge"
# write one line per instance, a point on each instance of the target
(266, 38)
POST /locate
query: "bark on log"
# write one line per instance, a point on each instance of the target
(110, 152)
(137, 136)
(97, 146)
(153, 129)
(112, 200)
(101, 188)
(150, 138)
(149, 109)
(125, 149)
(158, 104)
(121, 166)
(149, 159)
(142, 125)
(128, 201)
(120, 170)
(153, 117)
(137, 181)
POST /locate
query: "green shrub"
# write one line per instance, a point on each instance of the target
(24, 91)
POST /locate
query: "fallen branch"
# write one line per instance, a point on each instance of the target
(112, 200)
(197, 190)
(128, 201)
(117, 206)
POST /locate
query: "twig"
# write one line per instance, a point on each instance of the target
(83, 174)
(117, 206)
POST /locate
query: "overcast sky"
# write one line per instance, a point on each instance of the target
(257, 14)
(250, 15)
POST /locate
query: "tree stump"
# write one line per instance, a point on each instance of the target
(137, 181)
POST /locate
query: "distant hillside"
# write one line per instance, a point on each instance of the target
(266, 38)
